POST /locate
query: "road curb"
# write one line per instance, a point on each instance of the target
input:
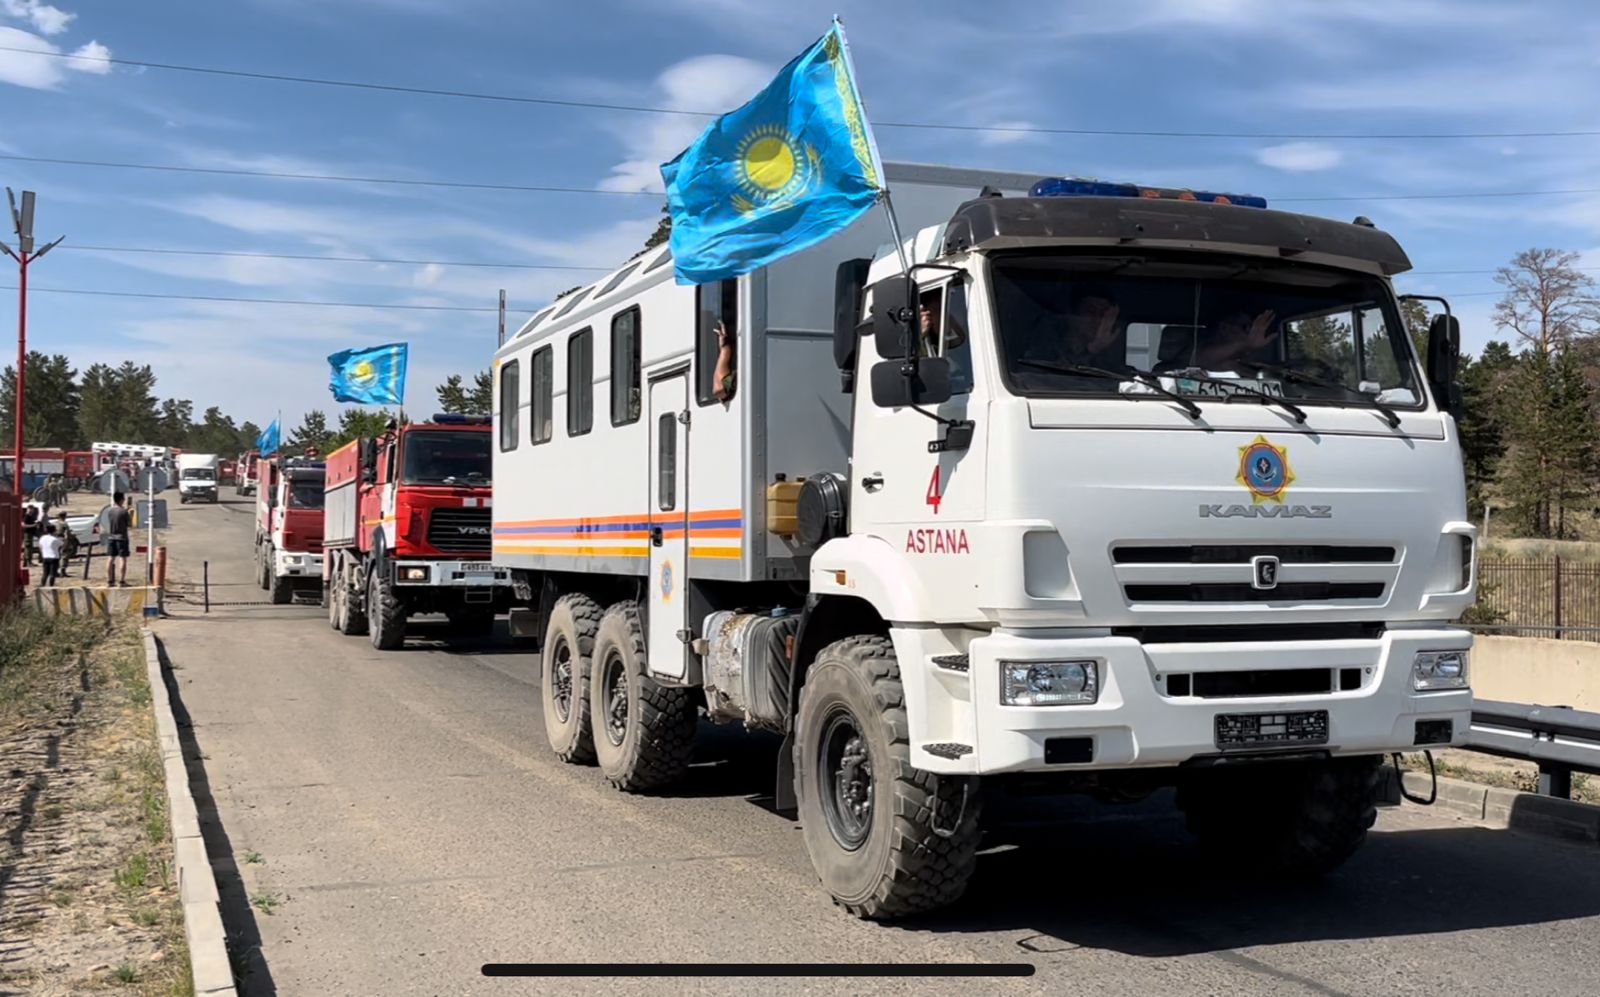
(1530, 813)
(197, 885)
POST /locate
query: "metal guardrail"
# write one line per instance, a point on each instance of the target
(1559, 739)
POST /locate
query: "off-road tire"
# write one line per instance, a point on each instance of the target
(1289, 820)
(386, 614)
(921, 841)
(330, 600)
(651, 746)
(282, 591)
(568, 648)
(264, 567)
(352, 617)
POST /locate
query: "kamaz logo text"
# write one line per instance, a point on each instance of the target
(1266, 512)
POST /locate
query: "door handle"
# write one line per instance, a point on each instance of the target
(872, 482)
(655, 536)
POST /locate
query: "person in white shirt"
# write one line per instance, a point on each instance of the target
(50, 544)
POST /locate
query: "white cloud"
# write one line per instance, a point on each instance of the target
(1300, 157)
(37, 65)
(47, 19)
(428, 276)
(712, 83)
(92, 57)
(1005, 133)
(25, 69)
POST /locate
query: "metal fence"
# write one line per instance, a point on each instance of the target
(1538, 598)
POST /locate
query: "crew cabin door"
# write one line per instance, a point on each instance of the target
(668, 546)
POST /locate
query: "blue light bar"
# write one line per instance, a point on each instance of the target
(1080, 187)
(453, 419)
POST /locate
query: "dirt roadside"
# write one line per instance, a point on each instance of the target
(88, 899)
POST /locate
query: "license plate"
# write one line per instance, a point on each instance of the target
(477, 568)
(1250, 730)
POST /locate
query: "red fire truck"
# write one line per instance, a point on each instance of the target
(289, 526)
(227, 471)
(406, 530)
(245, 474)
(79, 468)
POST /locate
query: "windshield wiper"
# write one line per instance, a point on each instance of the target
(1144, 377)
(1290, 374)
(1266, 397)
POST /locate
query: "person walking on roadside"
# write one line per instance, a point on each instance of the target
(115, 524)
(69, 541)
(50, 556)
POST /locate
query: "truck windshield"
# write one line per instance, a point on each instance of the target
(1233, 325)
(445, 457)
(198, 473)
(305, 493)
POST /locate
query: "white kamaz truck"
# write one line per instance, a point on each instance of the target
(1114, 489)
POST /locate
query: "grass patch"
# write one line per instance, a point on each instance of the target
(253, 858)
(134, 873)
(126, 973)
(146, 917)
(52, 812)
(266, 903)
(36, 651)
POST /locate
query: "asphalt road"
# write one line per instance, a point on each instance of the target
(404, 822)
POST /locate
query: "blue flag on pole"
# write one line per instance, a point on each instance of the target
(788, 169)
(373, 376)
(267, 442)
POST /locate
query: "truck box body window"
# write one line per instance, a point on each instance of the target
(541, 406)
(580, 382)
(445, 457)
(667, 448)
(625, 367)
(1308, 334)
(715, 302)
(510, 395)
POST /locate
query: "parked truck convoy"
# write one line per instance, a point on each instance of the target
(197, 477)
(1115, 489)
(288, 545)
(406, 530)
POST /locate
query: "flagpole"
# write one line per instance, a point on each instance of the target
(894, 232)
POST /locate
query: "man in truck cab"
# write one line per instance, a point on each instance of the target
(1089, 335)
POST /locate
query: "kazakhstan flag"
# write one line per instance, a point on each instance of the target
(788, 169)
(374, 376)
(267, 442)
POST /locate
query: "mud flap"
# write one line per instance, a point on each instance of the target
(783, 798)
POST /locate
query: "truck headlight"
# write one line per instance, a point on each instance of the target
(1439, 670)
(414, 574)
(1048, 683)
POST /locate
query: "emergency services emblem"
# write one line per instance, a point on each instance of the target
(1264, 470)
(666, 580)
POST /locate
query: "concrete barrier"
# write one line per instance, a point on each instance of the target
(197, 885)
(1537, 670)
(82, 600)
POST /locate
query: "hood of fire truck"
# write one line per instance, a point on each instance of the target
(302, 530)
(1162, 519)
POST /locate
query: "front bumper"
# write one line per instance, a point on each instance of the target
(1136, 723)
(449, 574)
(296, 564)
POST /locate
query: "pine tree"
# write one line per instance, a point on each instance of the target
(312, 432)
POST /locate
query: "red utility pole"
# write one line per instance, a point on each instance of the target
(22, 222)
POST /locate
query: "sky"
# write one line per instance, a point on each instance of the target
(1396, 67)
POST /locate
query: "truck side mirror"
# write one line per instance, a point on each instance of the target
(911, 381)
(893, 318)
(1444, 357)
(849, 291)
(368, 456)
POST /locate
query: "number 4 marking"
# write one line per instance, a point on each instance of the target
(934, 496)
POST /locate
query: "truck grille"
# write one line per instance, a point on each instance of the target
(461, 531)
(1242, 553)
(1233, 592)
(1163, 574)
